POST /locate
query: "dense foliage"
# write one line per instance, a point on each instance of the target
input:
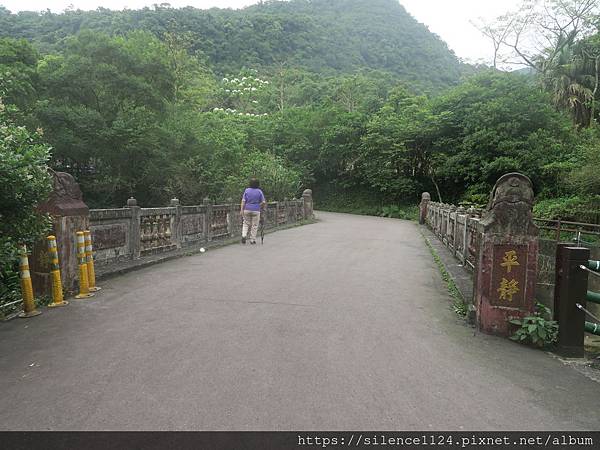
(323, 36)
(166, 102)
(24, 183)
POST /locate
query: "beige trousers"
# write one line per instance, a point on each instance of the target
(251, 219)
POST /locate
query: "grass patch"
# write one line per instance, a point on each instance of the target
(458, 304)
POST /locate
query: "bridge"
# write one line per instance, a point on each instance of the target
(341, 324)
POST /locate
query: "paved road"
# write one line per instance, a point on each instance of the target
(344, 324)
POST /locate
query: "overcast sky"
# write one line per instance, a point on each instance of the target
(449, 19)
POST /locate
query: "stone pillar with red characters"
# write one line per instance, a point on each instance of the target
(507, 260)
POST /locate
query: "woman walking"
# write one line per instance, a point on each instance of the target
(253, 201)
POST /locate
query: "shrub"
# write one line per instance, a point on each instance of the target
(536, 330)
(410, 212)
(24, 183)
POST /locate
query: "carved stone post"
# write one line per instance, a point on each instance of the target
(451, 226)
(176, 232)
(308, 204)
(460, 211)
(294, 205)
(425, 199)
(231, 222)
(69, 215)
(135, 228)
(286, 210)
(507, 262)
(208, 222)
(465, 231)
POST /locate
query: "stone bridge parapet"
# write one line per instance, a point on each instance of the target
(133, 232)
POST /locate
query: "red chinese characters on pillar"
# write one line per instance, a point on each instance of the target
(509, 276)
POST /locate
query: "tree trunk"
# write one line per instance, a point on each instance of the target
(437, 188)
(593, 109)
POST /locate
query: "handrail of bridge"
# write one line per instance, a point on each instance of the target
(455, 225)
(133, 232)
(125, 234)
(579, 229)
(457, 228)
(592, 266)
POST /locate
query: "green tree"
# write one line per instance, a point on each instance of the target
(104, 100)
(278, 180)
(18, 76)
(24, 183)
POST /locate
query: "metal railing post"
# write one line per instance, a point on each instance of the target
(570, 289)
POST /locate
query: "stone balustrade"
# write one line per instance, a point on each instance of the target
(132, 235)
(457, 228)
(133, 232)
(501, 249)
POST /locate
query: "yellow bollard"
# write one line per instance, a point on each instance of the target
(84, 287)
(26, 288)
(57, 291)
(89, 258)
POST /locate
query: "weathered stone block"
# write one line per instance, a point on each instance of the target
(69, 214)
(109, 236)
(506, 272)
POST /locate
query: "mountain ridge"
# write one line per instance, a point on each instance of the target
(326, 36)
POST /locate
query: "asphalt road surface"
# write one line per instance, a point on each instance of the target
(340, 325)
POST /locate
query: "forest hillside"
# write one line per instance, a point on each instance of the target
(324, 36)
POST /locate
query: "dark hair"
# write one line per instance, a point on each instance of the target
(254, 183)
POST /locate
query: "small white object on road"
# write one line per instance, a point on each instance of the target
(202, 250)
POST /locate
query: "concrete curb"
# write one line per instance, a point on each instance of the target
(462, 278)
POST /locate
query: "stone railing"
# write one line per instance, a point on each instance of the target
(457, 228)
(448, 223)
(131, 236)
(500, 248)
(133, 232)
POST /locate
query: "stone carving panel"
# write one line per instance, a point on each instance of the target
(192, 224)
(109, 236)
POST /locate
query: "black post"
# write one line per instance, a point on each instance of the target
(570, 288)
